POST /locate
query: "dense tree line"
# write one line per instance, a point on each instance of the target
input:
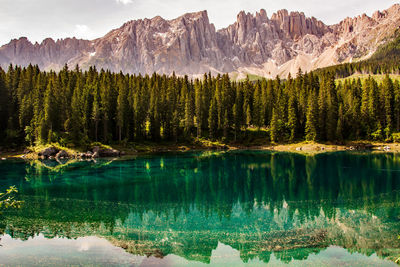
(390, 65)
(385, 60)
(76, 107)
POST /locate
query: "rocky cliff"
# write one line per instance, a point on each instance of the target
(190, 44)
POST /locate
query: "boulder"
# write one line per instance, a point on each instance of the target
(62, 154)
(88, 154)
(109, 153)
(104, 152)
(48, 152)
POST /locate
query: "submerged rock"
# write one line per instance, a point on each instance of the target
(62, 154)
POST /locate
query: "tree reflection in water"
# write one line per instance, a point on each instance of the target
(259, 203)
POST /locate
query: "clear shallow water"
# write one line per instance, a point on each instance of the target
(194, 209)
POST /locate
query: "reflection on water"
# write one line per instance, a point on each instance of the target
(265, 207)
(96, 251)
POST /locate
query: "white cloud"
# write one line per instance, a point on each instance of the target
(125, 2)
(82, 31)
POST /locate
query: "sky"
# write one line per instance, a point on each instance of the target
(90, 19)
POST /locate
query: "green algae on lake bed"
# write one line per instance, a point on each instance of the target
(245, 207)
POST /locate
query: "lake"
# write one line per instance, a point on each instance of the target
(239, 208)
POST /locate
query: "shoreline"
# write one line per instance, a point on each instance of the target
(305, 148)
(319, 148)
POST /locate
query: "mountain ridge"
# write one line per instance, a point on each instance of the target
(190, 44)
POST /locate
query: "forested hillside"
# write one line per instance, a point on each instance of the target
(75, 107)
(386, 59)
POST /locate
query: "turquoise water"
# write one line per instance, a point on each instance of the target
(242, 208)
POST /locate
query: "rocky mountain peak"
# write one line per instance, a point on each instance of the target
(261, 15)
(393, 10)
(191, 45)
(196, 15)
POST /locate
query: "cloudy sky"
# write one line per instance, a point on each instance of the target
(88, 19)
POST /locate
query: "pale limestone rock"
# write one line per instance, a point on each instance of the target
(191, 45)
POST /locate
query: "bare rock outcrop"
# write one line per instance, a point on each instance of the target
(48, 152)
(105, 152)
(191, 45)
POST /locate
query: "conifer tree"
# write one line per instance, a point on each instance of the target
(96, 111)
(3, 104)
(322, 111)
(292, 118)
(340, 124)
(198, 107)
(75, 125)
(332, 109)
(50, 110)
(213, 119)
(226, 124)
(275, 129)
(387, 88)
(189, 114)
(122, 107)
(373, 106)
(365, 105)
(248, 115)
(396, 103)
(312, 119)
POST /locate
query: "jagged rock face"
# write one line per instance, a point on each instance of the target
(190, 44)
(49, 54)
(187, 44)
(260, 38)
